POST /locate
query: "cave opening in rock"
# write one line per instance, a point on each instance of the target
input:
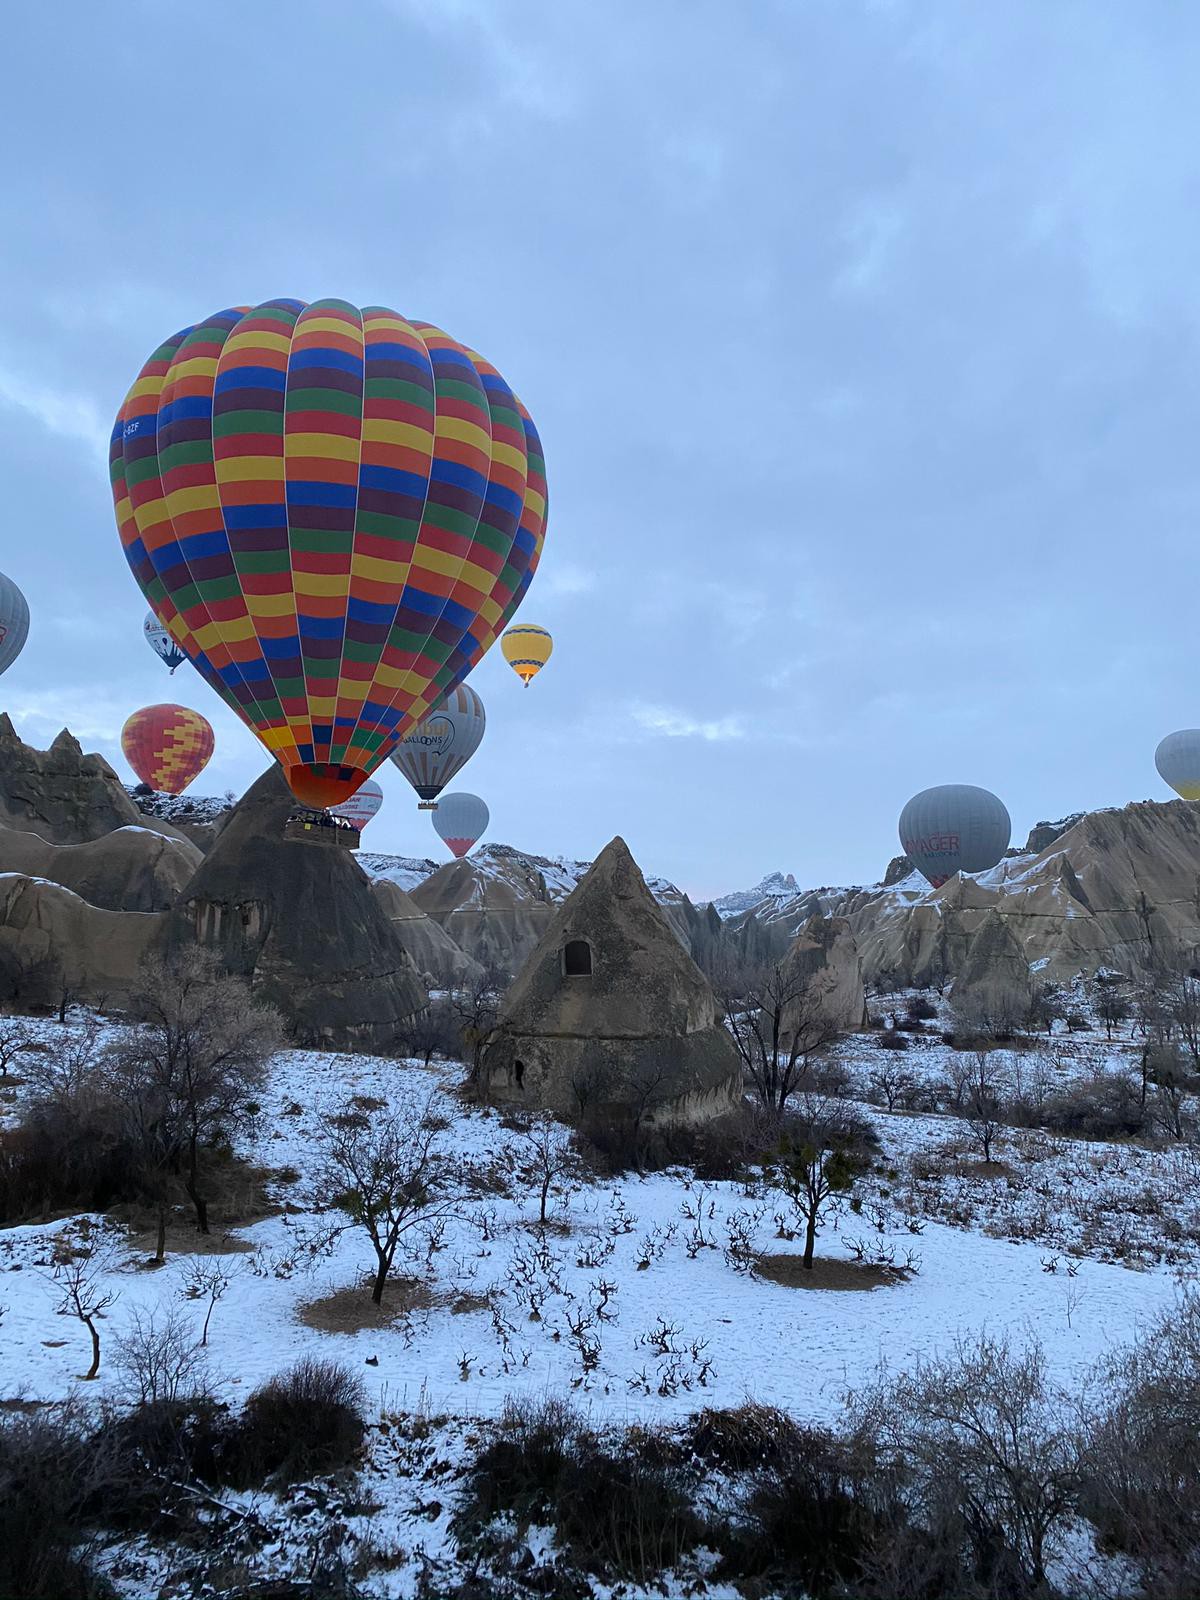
(577, 959)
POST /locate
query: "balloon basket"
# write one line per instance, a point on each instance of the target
(320, 828)
(426, 805)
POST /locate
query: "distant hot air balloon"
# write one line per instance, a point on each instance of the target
(361, 806)
(461, 821)
(527, 650)
(437, 749)
(954, 828)
(14, 622)
(167, 746)
(1178, 761)
(161, 642)
(342, 510)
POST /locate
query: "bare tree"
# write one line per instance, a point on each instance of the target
(187, 1074)
(1165, 1068)
(82, 1260)
(1112, 1007)
(891, 1083)
(389, 1172)
(430, 1032)
(982, 1106)
(15, 1039)
(779, 1022)
(207, 1279)
(65, 1068)
(813, 1162)
(476, 1005)
(547, 1155)
(1175, 1011)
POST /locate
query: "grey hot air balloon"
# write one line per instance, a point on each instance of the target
(438, 748)
(161, 642)
(1178, 761)
(14, 622)
(461, 821)
(954, 827)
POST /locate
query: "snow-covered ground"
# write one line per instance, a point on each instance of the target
(644, 1310)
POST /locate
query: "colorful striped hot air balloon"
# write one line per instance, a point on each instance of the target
(527, 650)
(335, 512)
(439, 748)
(362, 805)
(167, 746)
(461, 821)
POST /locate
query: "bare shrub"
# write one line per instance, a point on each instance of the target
(619, 1506)
(50, 1471)
(159, 1359)
(309, 1419)
(1105, 1106)
(1142, 1454)
(982, 1449)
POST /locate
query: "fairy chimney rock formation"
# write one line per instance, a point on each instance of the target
(62, 795)
(611, 1014)
(301, 922)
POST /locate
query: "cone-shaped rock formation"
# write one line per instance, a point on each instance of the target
(301, 922)
(610, 1011)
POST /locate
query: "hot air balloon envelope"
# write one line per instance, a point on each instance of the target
(361, 806)
(161, 642)
(167, 746)
(14, 622)
(527, 650)
(461, 821)
(954, 827)
(437, 749)
(1178, 761)
(341, 510)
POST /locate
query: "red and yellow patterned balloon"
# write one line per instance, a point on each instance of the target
(335, 512)
(167, 746)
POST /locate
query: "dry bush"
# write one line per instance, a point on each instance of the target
(622, 1508)
(51, 1467)
(1142, 1455)
(742, 1438)
(1106, 1106)
(307, 1420)
(981, 1447)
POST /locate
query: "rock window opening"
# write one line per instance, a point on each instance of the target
(519, 1073)
(577, 959)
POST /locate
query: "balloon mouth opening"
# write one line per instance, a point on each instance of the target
(325, 785)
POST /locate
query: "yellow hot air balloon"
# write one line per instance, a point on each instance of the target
(527, 650)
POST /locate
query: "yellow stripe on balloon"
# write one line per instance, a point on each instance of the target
(321, 446)
(249, 469)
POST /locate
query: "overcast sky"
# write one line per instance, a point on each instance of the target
(861, 337)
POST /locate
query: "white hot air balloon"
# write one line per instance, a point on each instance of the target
(954, 827)
(14, 622)
(461, 821)
(161, 642)
(361, 806)
(1178, 761)
(437, 749)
